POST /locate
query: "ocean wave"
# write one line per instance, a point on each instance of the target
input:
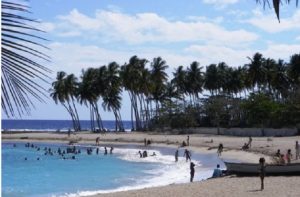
(169, 172)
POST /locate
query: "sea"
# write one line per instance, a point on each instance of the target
(55, 125)
(29, 172)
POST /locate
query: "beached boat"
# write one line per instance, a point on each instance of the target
(253, 169)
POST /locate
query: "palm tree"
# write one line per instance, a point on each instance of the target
(89, 94)
(294, 70)
(132, 78)
(180, 81)
(195, 80)
(159, 78)
(112, 94)
(63, 91)
(22, 74)
(211, 79)
(280, 81)
(256, 71)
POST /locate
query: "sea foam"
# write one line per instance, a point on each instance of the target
(169, 172)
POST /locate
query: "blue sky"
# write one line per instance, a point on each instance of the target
(91, 33)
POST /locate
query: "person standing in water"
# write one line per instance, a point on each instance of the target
(192, 168)
(111, 150)
(176, 155)
(105, 151)
(262, 171)
(187, 155)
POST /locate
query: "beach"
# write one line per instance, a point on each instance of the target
(226, 186)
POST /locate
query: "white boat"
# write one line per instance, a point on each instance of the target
(253, 169)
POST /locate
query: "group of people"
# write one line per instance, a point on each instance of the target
(147, 142)
(287, 158)
(145, 154)
(64, 152)
(187, 154)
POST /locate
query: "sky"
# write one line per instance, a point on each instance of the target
(92, 33)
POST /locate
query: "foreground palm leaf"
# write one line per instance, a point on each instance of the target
(276, 5)
(21, 73)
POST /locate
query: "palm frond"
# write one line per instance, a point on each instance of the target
(21, 70)
(276, 5)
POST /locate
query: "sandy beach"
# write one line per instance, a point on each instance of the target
(226, 186)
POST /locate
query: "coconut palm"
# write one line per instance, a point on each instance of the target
(179, 81)
(256, 71)
(159, 78)
(211, 79)
(89, 94)
(195, 80)
(22, 73)
(63, 91)
(132, 78)
(112, 94)
(294, 69)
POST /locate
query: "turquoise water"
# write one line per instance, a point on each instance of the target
(88, 174)
(53, 175)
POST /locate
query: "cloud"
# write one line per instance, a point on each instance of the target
(73, 57)
(214, 54)
(149, 28)
(269, 23)
(220, 3)
(235, 56)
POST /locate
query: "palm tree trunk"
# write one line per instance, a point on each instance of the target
(76, 115)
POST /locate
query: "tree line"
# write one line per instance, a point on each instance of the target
(264, 92)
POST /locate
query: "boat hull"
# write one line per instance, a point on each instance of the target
(253, 169)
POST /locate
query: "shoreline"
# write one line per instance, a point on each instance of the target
(229, 185)
(137, 138)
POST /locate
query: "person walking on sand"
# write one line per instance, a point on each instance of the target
(262, 171)
(97, 141)
(188, 140)
(187, 155)
(297, 147)
(250, 141)
(69, 132)
(220, 149)
(192, 168)
(176, 155)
